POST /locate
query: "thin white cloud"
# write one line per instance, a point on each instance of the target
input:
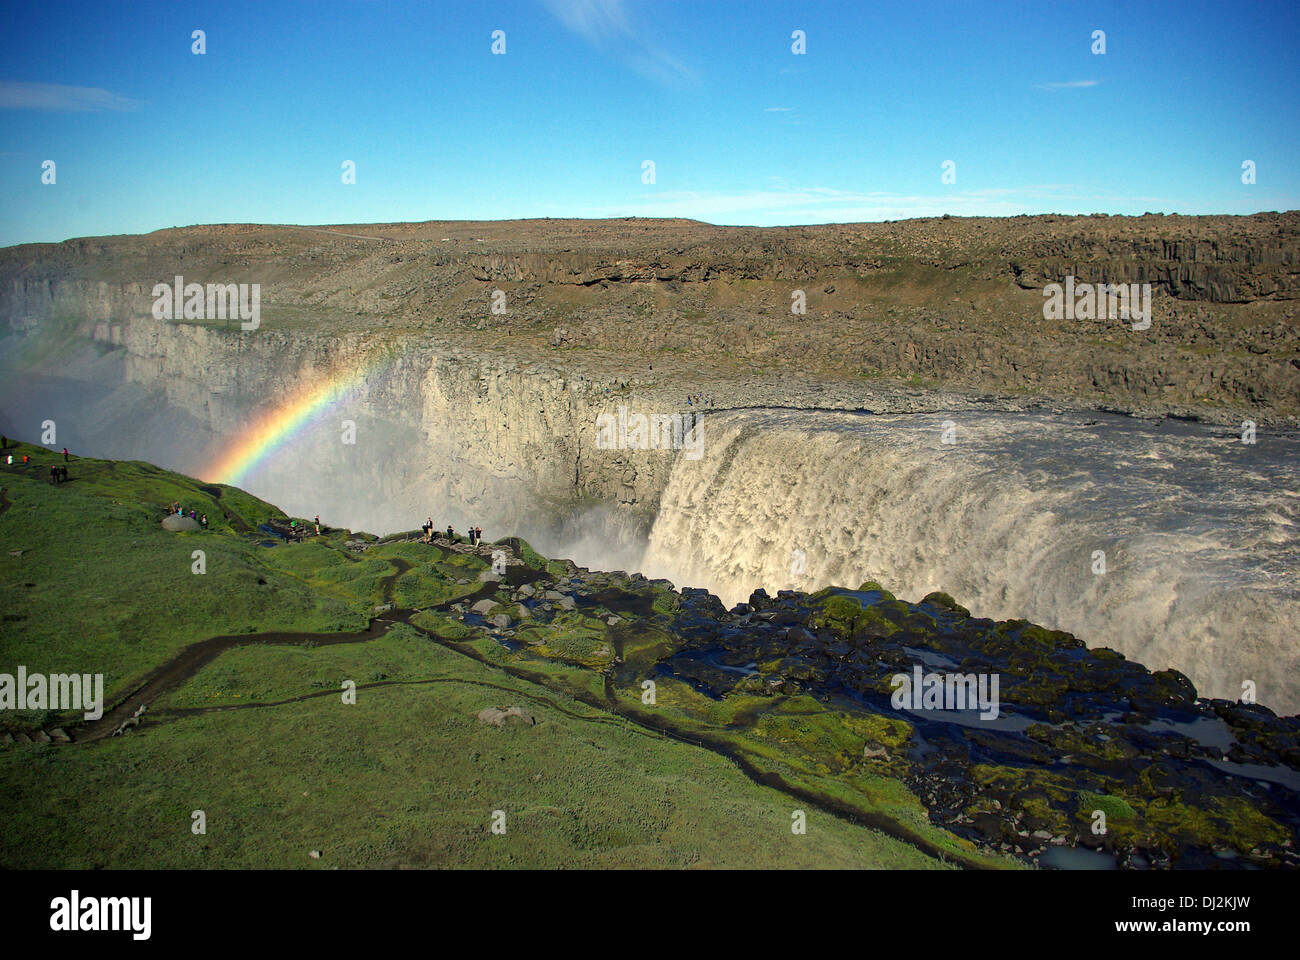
(606, 26)
(60, 98)
(828, 205)
(778, 109)
(1068, 85)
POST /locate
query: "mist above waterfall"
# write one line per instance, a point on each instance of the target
(1012, 518)
(394, 477)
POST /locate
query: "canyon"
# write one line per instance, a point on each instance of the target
(919, 315)
(475, 415)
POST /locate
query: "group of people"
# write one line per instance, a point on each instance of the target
(698, 399)
(474, 535)
(9, 458)
(57, 474)
(200, 520)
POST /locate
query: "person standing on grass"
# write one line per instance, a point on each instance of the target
(203, 521)
(65, 454)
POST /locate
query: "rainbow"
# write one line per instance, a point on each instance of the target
(277, 427)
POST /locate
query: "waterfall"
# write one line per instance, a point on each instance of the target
(1012, 517)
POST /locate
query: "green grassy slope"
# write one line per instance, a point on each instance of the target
(405, 777)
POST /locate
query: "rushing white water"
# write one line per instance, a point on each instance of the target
(1199, 530)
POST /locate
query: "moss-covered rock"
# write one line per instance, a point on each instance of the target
(941, 599)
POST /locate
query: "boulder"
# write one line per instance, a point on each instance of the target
(483, 607)
(177, 524)
(497, 716)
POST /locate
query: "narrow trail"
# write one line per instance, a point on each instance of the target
(236, 522)
(198, 655)
(168, 714)
(189, 661)
(389, 583)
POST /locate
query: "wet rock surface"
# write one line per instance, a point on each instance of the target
(1089, 753)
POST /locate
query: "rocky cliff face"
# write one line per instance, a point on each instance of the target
(439, 430)
(479, 407)
(1235, 269)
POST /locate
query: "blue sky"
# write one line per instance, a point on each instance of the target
(145, 134)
